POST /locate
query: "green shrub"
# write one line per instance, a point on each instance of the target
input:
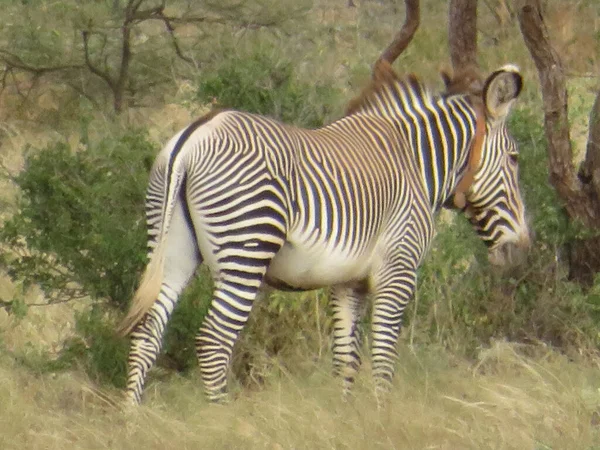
(79, 227)
(179, 342)
(102, 355)
(286, 332)
(547, 217)
(263, 84)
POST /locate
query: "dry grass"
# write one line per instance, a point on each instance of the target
(504, 401)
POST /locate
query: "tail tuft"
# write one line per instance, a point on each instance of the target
(146, 293)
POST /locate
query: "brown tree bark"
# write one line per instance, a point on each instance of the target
(589, 173)
(462, 34)
(578, 192)
(585, 253)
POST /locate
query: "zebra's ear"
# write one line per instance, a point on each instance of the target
(501, 89)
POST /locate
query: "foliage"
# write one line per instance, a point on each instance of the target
(78, 229)
(96, 349)
(547, 217)
(179, 343)
(122, 48)
(263, 84)
(286, 332)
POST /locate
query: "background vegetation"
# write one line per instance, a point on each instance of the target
(505, 360)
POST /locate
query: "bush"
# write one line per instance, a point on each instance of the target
(79, 227)
(179, 342)
(262, 84)
(102, 355)
(286, 333)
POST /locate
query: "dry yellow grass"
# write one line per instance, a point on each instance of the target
(504, 401)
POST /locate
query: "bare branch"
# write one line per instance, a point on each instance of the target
(81, 91)
(121, 82)
(141, 16)
(14, 61)
(174, 41)
(116, 84)
(405, 35)
(92, 68)
(63, 298)
(197, 19)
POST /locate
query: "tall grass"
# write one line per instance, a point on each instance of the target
(506, 401)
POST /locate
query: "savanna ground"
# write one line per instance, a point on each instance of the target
(483, 363)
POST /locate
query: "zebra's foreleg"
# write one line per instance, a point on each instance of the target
(389, 303)
(346, 305)
(181, 259)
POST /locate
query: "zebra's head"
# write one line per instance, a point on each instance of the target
(492, 200)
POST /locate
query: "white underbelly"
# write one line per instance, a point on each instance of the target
(297, 264)
(317, 266)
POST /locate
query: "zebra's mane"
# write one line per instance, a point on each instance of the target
(384, 78)
(467, 83)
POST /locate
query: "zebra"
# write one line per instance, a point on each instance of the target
(350, 206)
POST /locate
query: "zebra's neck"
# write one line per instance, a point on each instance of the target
(439, 130)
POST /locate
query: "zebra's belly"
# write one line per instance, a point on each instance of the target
(301, 267)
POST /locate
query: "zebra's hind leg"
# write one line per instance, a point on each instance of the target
(388, 307)
(236, 288)
(346, 305)
(181, 259)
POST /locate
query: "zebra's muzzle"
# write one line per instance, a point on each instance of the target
(510, 254)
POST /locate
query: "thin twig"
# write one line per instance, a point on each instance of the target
(174, 41)
(14, 61)
(85, 34)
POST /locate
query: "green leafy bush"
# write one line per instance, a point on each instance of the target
(546, 215)
(78, 231)
(263, 84)
(79, 227)
(96, 348)
(179, 341)
(286, 332)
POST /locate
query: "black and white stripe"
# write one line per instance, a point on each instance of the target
(349, 205)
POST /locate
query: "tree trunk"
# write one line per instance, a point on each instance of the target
(462, 34)
(579, 192)
(589, 173)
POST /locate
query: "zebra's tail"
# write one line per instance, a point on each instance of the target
(152, 279)
(147, 292)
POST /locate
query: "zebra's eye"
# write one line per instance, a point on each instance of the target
(514, 157)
